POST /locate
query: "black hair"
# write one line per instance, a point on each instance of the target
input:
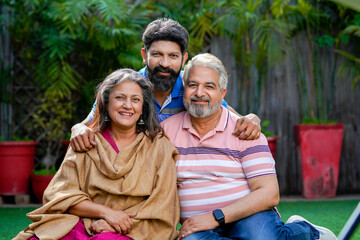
(168, 30)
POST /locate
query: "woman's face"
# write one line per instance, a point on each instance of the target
(125, 105)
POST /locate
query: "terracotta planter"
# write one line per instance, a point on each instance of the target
(39, 184)
(272, 144)
(16, 165)
(319, 148)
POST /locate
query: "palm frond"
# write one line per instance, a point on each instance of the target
(70, 11)
(350, 68)
(349, 56)
(273, 36)
(110, 10)
(57, 77)
(202, 26)
(110, 37)
(32, 3)
(353, 29)
(57, 45)
(278, 6)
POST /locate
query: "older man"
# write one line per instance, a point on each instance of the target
(227, 187)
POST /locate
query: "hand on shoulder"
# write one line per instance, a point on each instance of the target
(82, 138)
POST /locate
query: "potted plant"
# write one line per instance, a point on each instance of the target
(319, 148)
(318, 140)
(40, 179)
(270, 136)
(51, 122)
(16, 164)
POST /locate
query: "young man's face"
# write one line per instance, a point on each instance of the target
(203, 95)
(164, 62)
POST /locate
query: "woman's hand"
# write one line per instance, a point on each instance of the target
(119, 220)
(101, 226)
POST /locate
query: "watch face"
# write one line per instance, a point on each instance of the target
(219, 216)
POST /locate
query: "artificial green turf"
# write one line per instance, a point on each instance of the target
(330, 214)
(13, 220)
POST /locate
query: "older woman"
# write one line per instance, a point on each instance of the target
(128, 182)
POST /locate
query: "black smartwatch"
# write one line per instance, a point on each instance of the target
(219, 217)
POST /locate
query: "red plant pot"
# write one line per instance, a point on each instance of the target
(319, 147)
(39, 184)
(16, 165)
(65, 146)
(272, 144)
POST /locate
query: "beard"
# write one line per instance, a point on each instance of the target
(162, 83)
(199, 110)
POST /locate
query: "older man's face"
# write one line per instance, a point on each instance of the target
(203, 96)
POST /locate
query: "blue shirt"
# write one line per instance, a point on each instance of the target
(173, 103)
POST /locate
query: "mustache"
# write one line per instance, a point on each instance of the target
(194, 98)
(162, 69)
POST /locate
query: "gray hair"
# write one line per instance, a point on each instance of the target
(210, 61)
(151, 126)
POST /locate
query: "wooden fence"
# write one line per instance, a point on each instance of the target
(280, 105)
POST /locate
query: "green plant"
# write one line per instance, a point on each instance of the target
(351, 67)
(65, 47)
(322, 25)
(67, 136)
(50, 120)
(264, 130)
(264, 32)
(75, 41)
(43, 171)
(255, 37)
(16, 138)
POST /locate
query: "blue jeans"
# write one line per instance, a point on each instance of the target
(265, 225)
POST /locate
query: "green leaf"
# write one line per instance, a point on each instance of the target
(43, 171)
(110, 10)
(353, 29)
(325, 40)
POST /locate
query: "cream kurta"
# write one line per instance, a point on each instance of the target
(140, 179)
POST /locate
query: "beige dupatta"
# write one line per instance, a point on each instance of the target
(140, 179)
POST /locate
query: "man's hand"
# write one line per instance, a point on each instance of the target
(247, 129)
(101, 226)
(120, 220)
(82, 138)
(198, 223)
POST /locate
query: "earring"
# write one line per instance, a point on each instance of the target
(107, 118)
(141, 121)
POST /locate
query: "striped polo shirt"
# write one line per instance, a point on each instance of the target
(213, 171)
(173, 103)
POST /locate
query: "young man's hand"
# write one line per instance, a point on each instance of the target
(248, 127)
(82, 138)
